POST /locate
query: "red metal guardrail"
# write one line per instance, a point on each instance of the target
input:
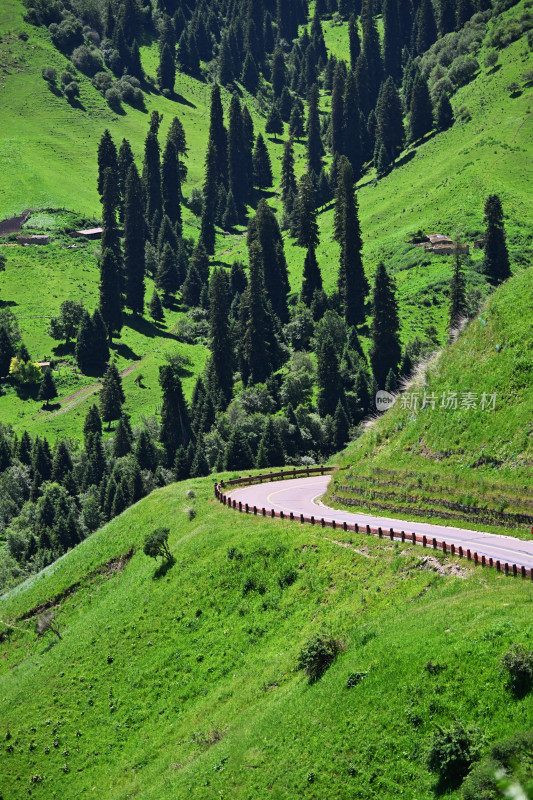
(410, 538)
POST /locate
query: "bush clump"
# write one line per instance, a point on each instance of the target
(451, 753)
(50, 75)
(318, 654)
(156, 545)
(87, 60)
(517, 664)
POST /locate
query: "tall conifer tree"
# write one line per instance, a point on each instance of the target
(385, 350)
(134, 266)
(315, 148)
(496, 258)
(221, 371)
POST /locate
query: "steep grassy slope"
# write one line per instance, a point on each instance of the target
(185, 681)
(423, 456)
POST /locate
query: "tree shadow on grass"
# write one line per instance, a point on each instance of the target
(8, 303)
(149, 329)
(405, 159)
(125, 351)
(51, 407)
(76, 104)
(64, 349)
(179, 98)
(163, 568)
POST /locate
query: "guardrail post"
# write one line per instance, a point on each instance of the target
(264, 512)
(452, 549)
(523, 572)
(291, 517)
(255, 510)
(312, 520)
(468, 554)
(240, 506)
(460, 551)
(444, 548)
(345, 526)
(302, 518)
(483, 561)
(434, 543)
(246, 507)
(368, 530)
(403, 536)
(272, 513)
(424, 540)
(506, 568)
(413, 537)
(322, 522)
(491, 562)
(281, 515)
(498, 566)
(391, 534)
(476, 559)
(321, 469)
(380, 533)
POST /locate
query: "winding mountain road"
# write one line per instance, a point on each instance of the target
(302, 496)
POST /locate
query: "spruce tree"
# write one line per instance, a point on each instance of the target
(270, 447)
(371, 48)
(248, 141)
(110, 203)
(166, 72)
(337, 110)
(166, 278)
(285, 104)
(256, 345)
(305, 217)
(427, 27)
(392, 42)
(445, 116)
(134, 265)
(155, 307)
(312, 278)
(192, 288)
(167, 235)
(465, 10)
(47, 388)
(250, 75)
(237, 178)
(353, 285)
(107, 159)
(328, 378)
(111, 397)
(123, 438)
(237, 453)
(385, 350)
(389, 120)
(458, 306)
(341, 427)
(110, 303)
(496, 257)
(220, 337)
(171, 185)
(210, 191)
(315, 148)
(264, 230)
(421, 119)
(230, 216)
(447, 16)
(296, 121)
(151, 177)
(182, 467)
(362, 81)
(145, 452)
(274, 123)
(261, 164)
(125, 160)
(352, 146)
(355, 42)
(176, 135)
(218, 135)
(175, 430)
(226, 70)
(288, 178)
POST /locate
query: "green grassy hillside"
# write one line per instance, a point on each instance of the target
(48, 147)
(418, 458)
(186, 681)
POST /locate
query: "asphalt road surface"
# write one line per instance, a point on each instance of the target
(302, 496)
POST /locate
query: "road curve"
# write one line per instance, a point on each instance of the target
(302, 496)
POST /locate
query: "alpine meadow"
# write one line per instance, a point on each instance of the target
(266, 399)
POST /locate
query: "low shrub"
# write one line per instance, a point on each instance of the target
(49, 74)
(318, 654)
(451, 753)
(156, 544)
(72, 90)
(114, 99)
(517, 664)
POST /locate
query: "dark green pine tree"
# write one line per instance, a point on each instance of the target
(111, 397)
(315, 148)
(134, 265)
(270, 453)
(145, 452)
(47, 388)
(166, 72)
(200, 261)
(110, 202)
(84, 345)
(389, 120)
(392, 40)
(385, 350)
(248, 141)
(447, 16)
(99, 337)
(328, 378)
(296, 121)
(353, 285)
(279, 72)
(199, 466)
(125, 160)
(92, 423)
(218, 135)
(226, 69)
(465, 10)
(341, 427)
(427, 27)
(230, 216)
(382, 159)
(191, 290)
(107, 159)
(274, 123)
(167, 235)
(210, 191)
(151, 177)
(182, 466)
(288, 178)
(110, 303)
(237, 453)
(265, 231)
(171, 185)
(7, 351)
(445, 116)
(250, 75)
(256, 345)
(421, 118)
(362, 82)
(262, 168)
(371, 48)
(496, 258)
(337, 110)
(285, 104)
(135, 64)
(352, 126)
(62, 465)
(155, 307)
(312, 278)
(176, 134)
(355, 42)
(304, 215)
(221, 372)
(166, 278)
(175, 430)
(237, 178)
(123, 438)
(458, 305)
